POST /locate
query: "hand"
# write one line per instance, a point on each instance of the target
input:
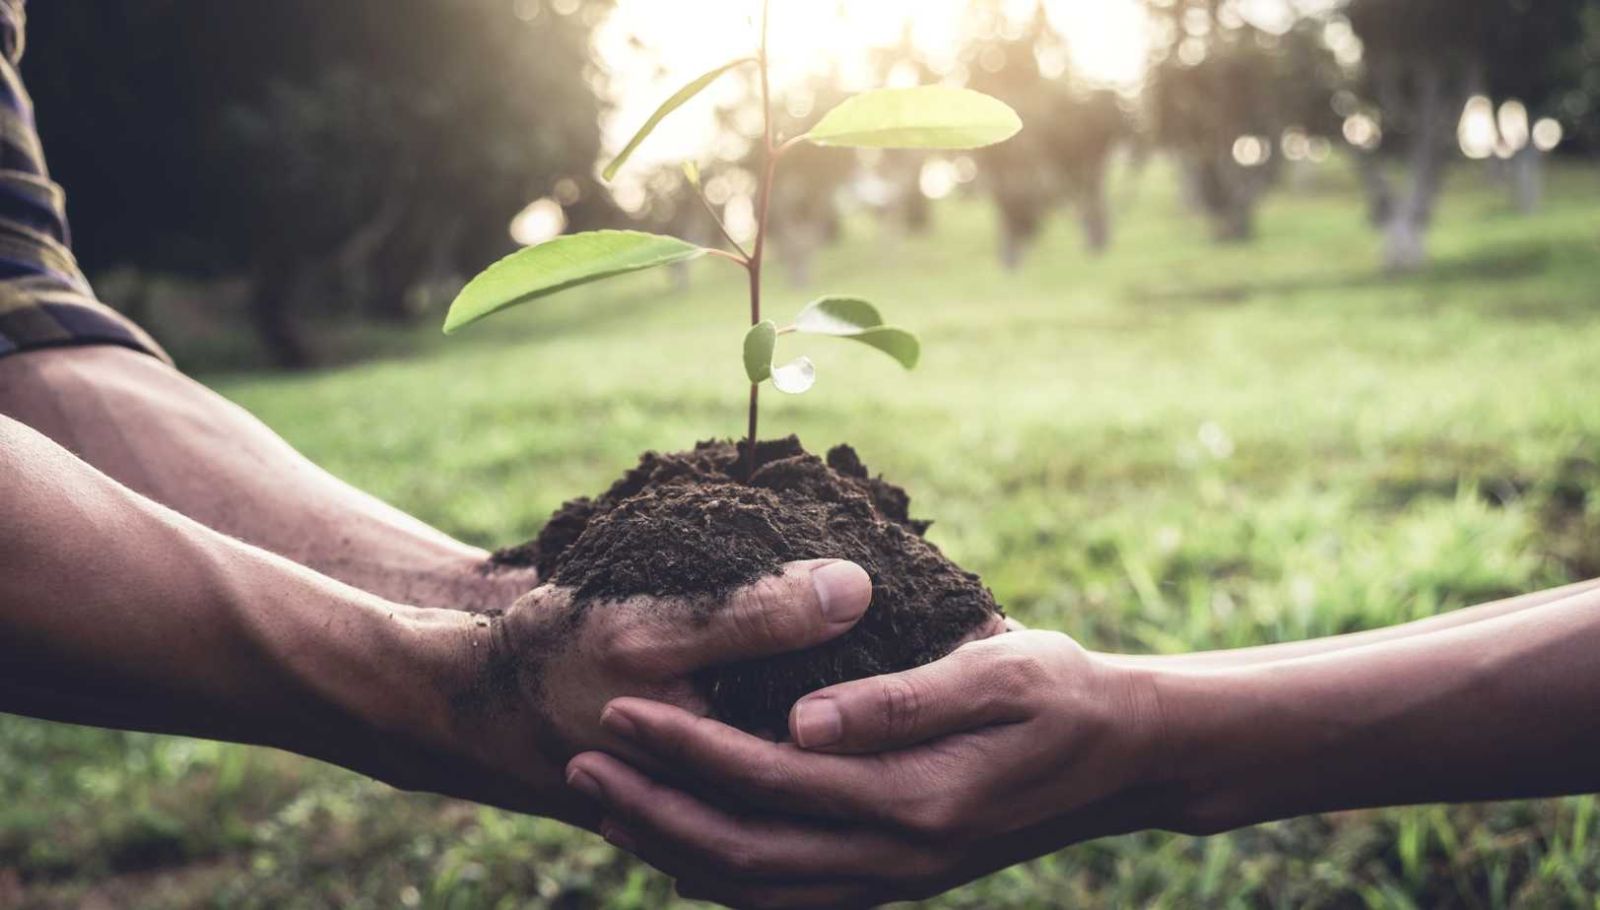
(895, 787)
(531, 683)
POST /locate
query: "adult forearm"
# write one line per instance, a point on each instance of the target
(116, 611)
(176, 442)
(1503, 708)
(1260, 654)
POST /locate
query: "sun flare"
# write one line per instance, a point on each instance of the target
(649, 48)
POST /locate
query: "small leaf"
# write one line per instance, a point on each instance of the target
(691, 172)
(925, 117)
(834, 315)
(561, 263)
(668, 106)
(795, 377)
(758, 345)
(858, 320)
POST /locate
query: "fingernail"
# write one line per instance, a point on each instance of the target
(583, 782)
(843, 590)
(817, 723)
(615, 836)
(619, 723)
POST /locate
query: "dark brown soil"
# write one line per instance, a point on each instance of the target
(685, 524)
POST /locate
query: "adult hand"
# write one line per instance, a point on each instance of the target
(534, 680)
(894, 787)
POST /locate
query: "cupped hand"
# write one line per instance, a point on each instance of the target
(894, 787)
(530, 684)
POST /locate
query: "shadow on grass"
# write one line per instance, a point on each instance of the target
(1508, 263)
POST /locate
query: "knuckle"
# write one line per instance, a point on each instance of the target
(933, 818)
(901, 704)
(766, 613)
(623, 646)
(1022, 676)
(771, 779)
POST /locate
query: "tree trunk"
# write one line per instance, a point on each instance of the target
(1404, 243)
(1094, 214)
(1405, 227)
(271, 312)
(1527, 179)
(1380, 196)
(1013, 244)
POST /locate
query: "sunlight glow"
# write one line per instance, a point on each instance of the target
(649, 49)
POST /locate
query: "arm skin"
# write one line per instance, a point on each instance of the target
(1238, 657)
(116, 611)
(172, 440)
(1024, 743)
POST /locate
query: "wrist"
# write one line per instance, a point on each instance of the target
(332, 672)
(1249, 744)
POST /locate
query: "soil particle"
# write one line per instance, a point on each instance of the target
(685, 524)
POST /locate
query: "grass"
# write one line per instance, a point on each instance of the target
(1175, 446)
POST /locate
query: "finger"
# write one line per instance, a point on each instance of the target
(807, 604)
(977, 685)
(775, 776)
(666, 822)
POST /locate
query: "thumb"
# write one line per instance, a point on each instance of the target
(810, 602)
(881, 713)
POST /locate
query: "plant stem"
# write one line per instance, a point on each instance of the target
(769, 159)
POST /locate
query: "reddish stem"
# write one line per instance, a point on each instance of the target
(769, 159)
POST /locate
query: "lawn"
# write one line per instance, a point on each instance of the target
(1174, 446)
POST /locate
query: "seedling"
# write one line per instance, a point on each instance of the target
(924, 117)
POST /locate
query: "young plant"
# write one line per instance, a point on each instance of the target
(924, 117)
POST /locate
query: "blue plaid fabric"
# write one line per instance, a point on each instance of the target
(44, 299)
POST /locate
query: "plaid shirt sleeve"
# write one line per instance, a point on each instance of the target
(44, 299)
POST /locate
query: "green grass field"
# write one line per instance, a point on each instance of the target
(1175, 446)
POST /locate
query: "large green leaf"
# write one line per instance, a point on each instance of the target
(925, 117)
(668, 106)
(858, 320)
(559, 264)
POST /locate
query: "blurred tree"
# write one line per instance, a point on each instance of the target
(1065, 152)
(1422, 60)
(1542, 62)
(343, 152)
(1221, 94)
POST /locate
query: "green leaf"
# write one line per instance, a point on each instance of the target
(758, 345)
(795, 377)
(858, 320)
(925, 117)
(835, 315)
(668, 106)
(561, 263)
(691, 172)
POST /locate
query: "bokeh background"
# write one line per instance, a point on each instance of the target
(1280, 318)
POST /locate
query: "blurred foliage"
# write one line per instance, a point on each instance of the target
(1063, 155)
(1217, 81)
(346, 153)
(359, 158)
